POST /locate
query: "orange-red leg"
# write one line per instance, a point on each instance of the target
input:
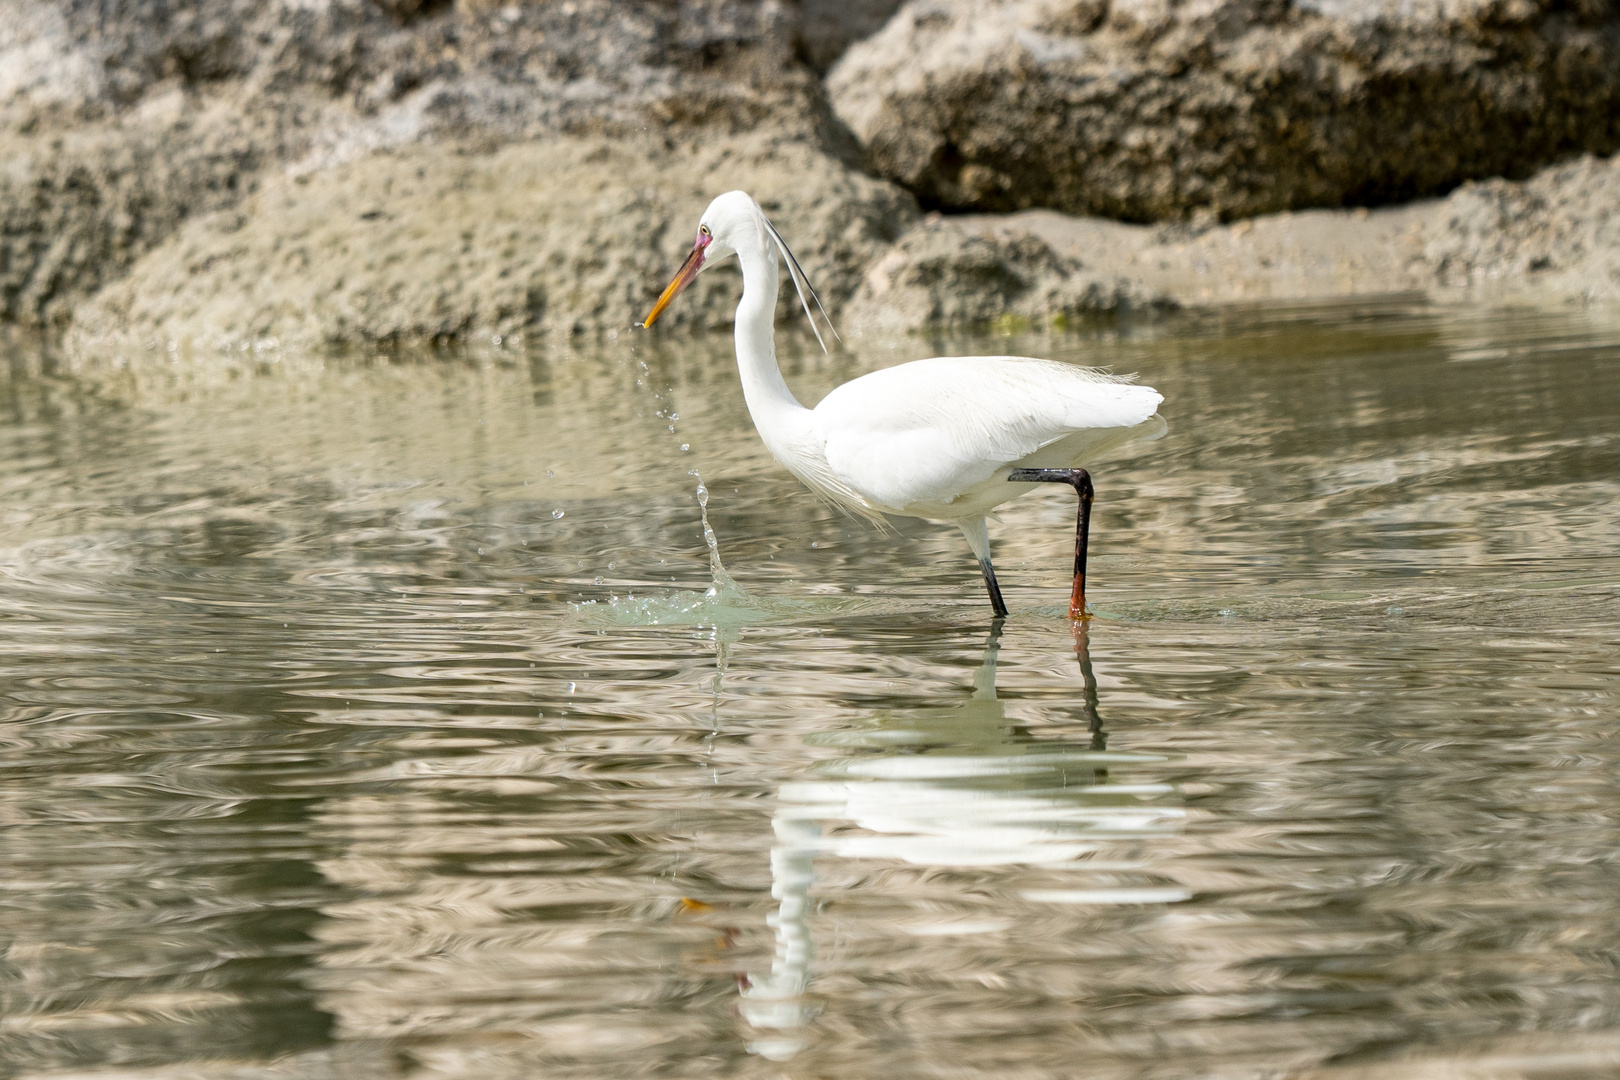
(1080, 480)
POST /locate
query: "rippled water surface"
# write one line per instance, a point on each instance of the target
(371, 718)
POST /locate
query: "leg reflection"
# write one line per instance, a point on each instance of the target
(775, 1003)
(963, 787)
(1088, 681)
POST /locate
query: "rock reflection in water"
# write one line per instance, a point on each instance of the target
(952, 787)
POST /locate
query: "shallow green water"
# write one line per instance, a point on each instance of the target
(368, 718)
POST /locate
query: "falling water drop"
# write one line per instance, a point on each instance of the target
(557, 513)
(722, 581)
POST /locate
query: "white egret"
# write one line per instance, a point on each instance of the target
(945, 439)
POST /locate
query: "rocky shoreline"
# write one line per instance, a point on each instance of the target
(243, 176)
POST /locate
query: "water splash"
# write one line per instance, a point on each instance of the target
(726, 606)
(722, 581)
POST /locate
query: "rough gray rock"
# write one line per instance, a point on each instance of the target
(831, 26)
(77, 208)
(1555, 237)
(1146, 110)
(119, 119)
(941, 275)
(424, 244)
(1552, 240)
(509, 69)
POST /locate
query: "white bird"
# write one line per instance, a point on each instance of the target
(937, 439)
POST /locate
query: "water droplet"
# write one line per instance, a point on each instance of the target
(1394, 611)
(570, 688)
(549, 474)
(685, 447)
(613, 566)
(814, 544)
(1226, 613)
(480, 551)
(717, 569)
(557, 513)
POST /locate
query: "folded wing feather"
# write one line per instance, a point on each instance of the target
(920, 432)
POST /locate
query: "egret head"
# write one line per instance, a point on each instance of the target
(721, 228)
(734, 223)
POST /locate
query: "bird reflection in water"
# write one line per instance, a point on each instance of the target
(969, 789)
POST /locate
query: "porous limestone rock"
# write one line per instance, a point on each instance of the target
(1554, 238)
(940, 275)
(831, 26)
(424, 244)
(1550, 241)
(119, 121)
(1147, 110)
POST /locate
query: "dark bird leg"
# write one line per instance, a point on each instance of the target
(997, 604)
(1080, 480)
(978, 538)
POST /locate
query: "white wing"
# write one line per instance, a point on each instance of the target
(923, 433)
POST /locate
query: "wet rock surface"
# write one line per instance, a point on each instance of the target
(1143, 110)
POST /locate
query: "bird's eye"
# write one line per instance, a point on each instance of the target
(703, 230)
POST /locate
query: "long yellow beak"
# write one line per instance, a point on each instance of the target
(683, 277)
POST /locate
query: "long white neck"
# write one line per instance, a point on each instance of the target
(776, 412)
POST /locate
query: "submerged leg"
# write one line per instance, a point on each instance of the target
(978, 538)
(997, 605)
(1080, 480)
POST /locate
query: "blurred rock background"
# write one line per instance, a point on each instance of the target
(230, 174)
